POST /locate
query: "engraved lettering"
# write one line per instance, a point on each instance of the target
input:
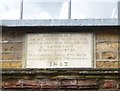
(59, 50)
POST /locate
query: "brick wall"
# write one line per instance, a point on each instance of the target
(69, 79)
(106, 49)
(107, 55)
(12, 49)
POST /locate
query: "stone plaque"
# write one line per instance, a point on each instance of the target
(68, 50)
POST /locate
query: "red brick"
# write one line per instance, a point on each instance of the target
(68, 83)
(9, 83)
(109, 84)
(37, 83)
(87, 83)
(28, 83)
(48, 83)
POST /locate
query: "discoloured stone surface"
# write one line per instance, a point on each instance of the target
(12, 49)
(109, 84)
(111, 46)
(68, 83)
(107, 64)
(87, 83)
(14, 64)
(107, 55)
(107, 35)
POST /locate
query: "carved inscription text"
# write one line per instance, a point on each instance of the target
(59, 50)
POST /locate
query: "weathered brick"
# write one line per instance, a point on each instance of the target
(68, 83)
(87, 83)
(12, 56)
(106, 46)
(14, 64)
(35, 83)
(107, 64)
(12, 36)
(48, 83)
(5, 64)
(109, 55)
(12, 46)
(98, 55)
(9, 83)
(27, 83)
(12, 49)
(107, 49)
(107, 35)
(109, 84)
(7, 56)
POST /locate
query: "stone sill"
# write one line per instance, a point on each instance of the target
(62, 71)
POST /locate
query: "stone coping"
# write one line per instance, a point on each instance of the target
(60, 22)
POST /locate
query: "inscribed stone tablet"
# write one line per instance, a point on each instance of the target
(68, 50)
